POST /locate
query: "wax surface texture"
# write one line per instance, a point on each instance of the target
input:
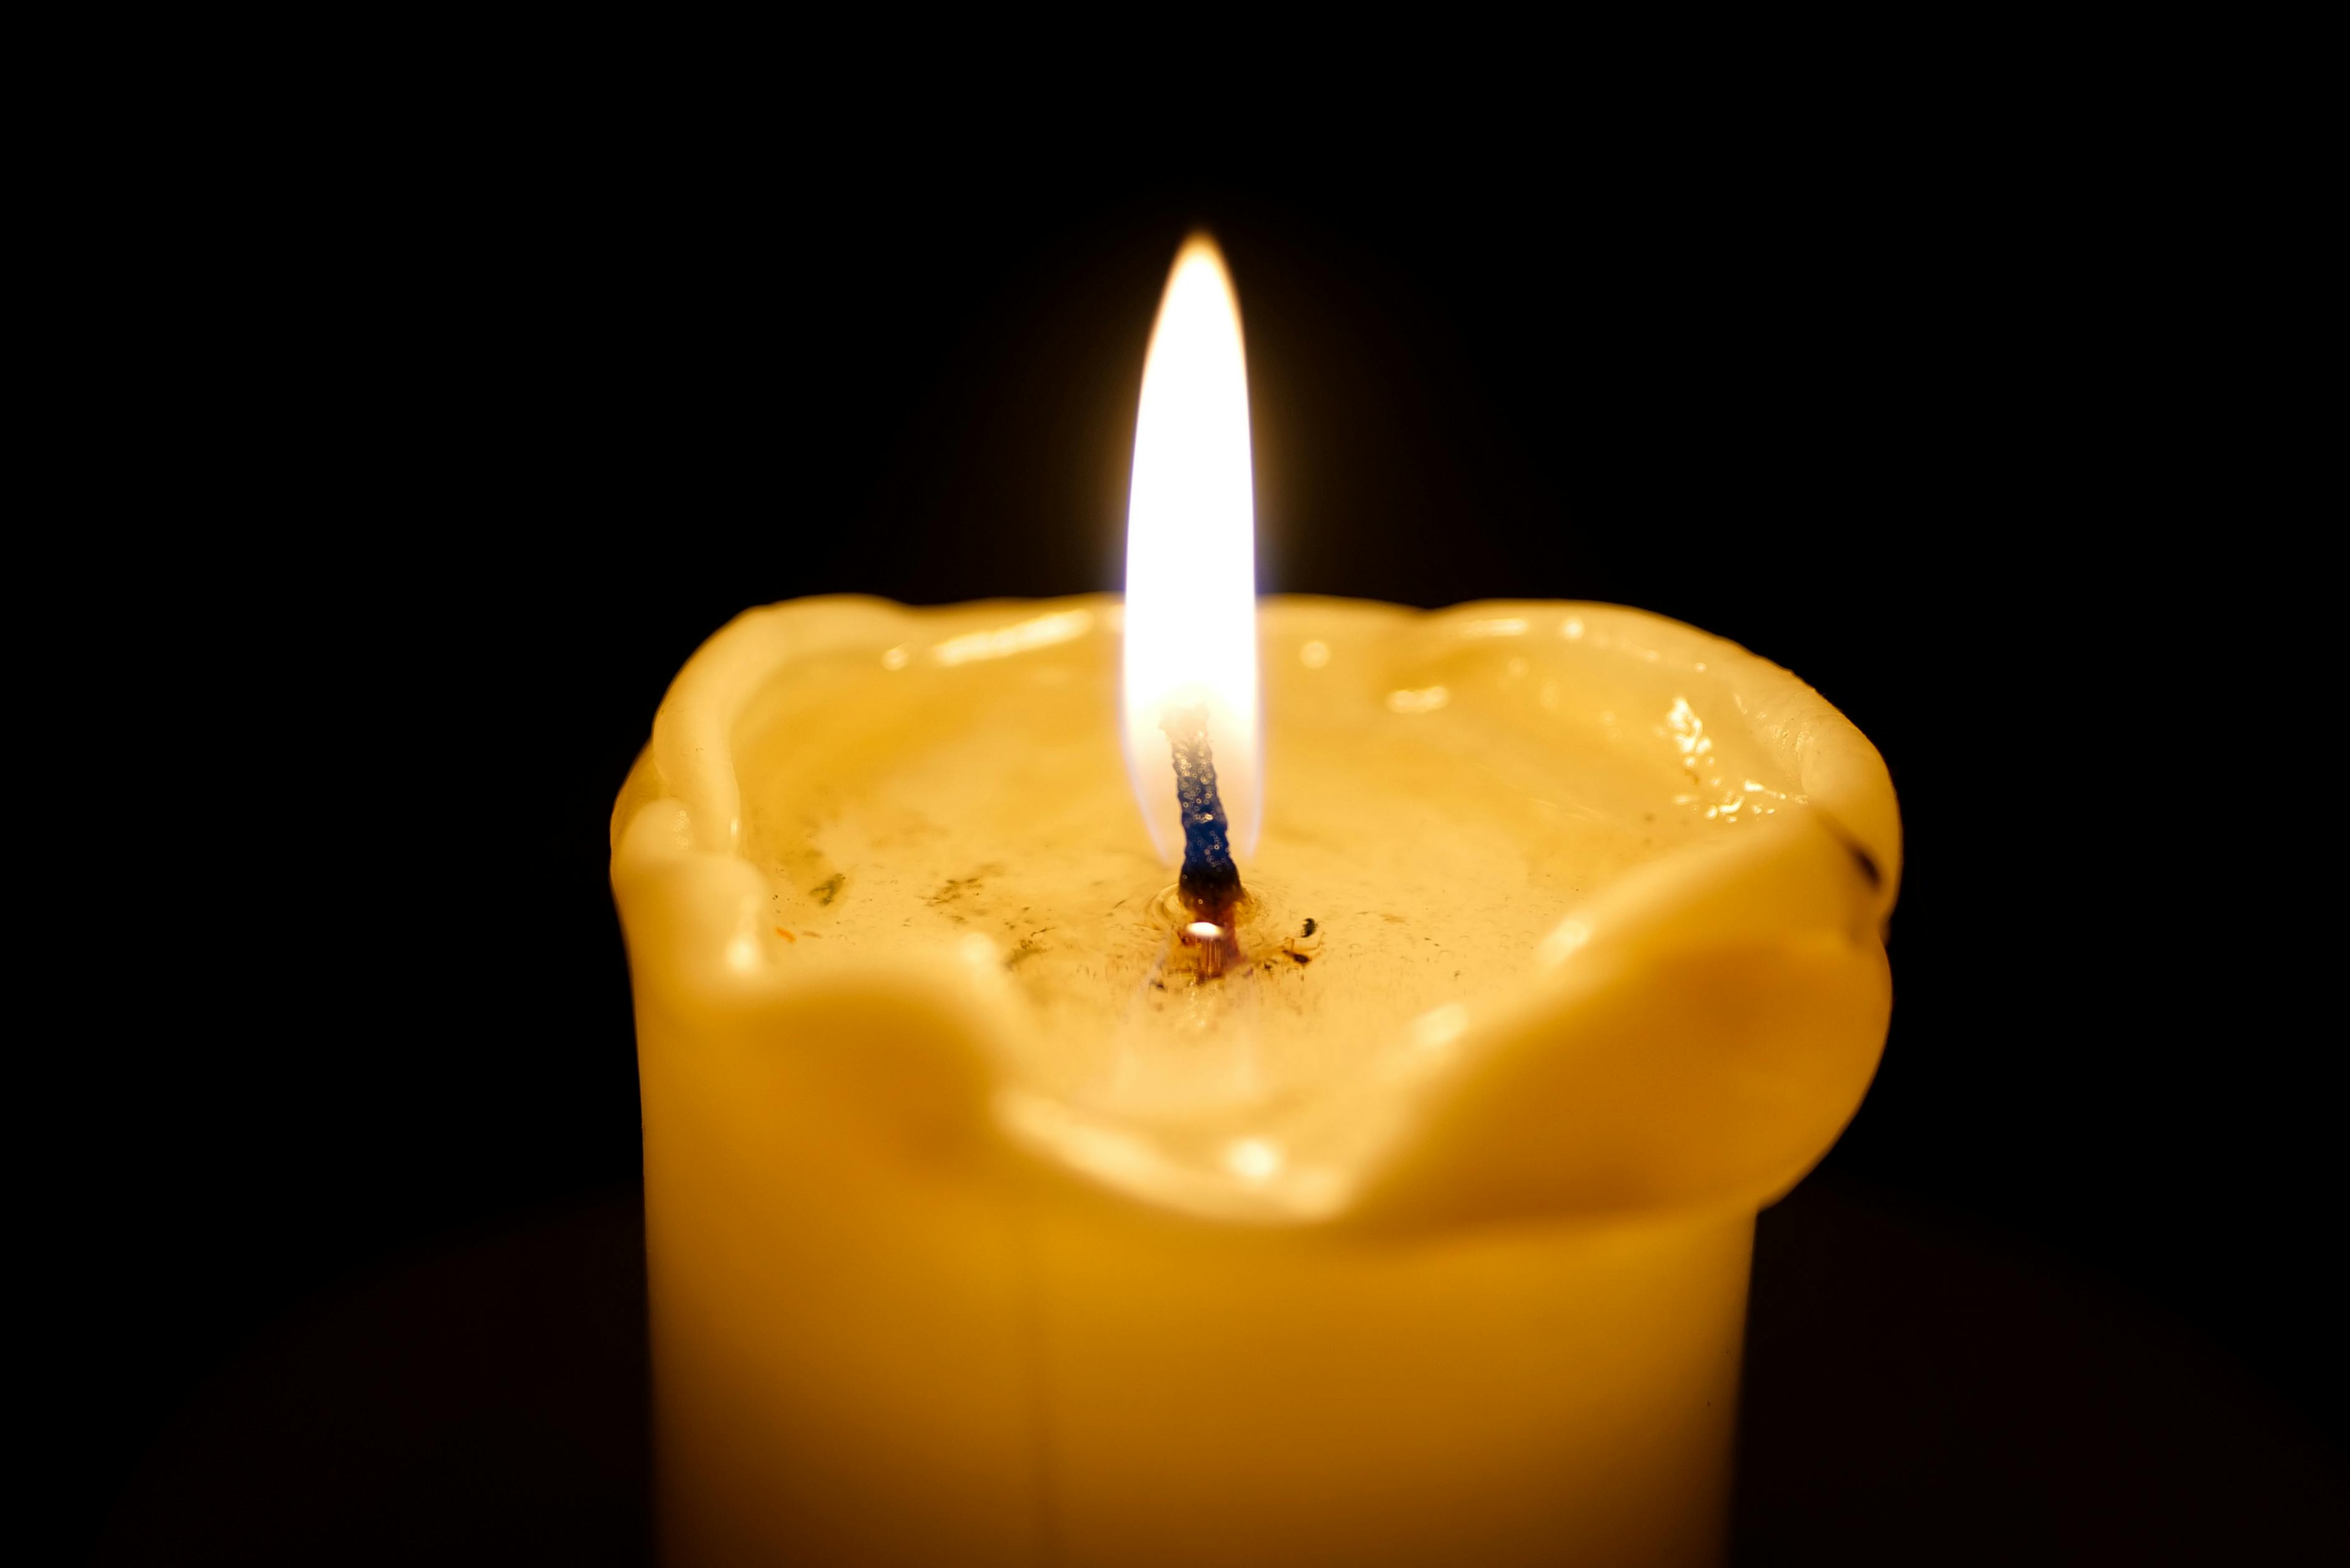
(982, 1230)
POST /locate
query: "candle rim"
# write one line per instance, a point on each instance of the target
(1843, 774)
(678, 824)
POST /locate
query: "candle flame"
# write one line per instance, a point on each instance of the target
(1190, 541)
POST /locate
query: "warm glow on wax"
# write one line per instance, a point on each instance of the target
(1190, 568)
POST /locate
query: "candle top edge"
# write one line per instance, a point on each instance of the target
(1828, 866)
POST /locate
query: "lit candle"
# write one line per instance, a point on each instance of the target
(1027, 1184)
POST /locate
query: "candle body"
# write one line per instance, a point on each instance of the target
(885, 1361)
(932, 1282)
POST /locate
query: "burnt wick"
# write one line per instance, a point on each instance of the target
(1209, 884)
(1209, 877)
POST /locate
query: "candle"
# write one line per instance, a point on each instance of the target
(1026, 1184)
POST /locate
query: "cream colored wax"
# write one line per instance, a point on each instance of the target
(983, 1230)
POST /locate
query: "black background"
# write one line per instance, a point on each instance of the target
(457, 457)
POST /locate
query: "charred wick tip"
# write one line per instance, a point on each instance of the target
(1211, 882)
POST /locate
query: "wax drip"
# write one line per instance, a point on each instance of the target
(1211, 883)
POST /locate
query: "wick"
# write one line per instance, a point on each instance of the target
(1210, 884)
(1209, 877)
